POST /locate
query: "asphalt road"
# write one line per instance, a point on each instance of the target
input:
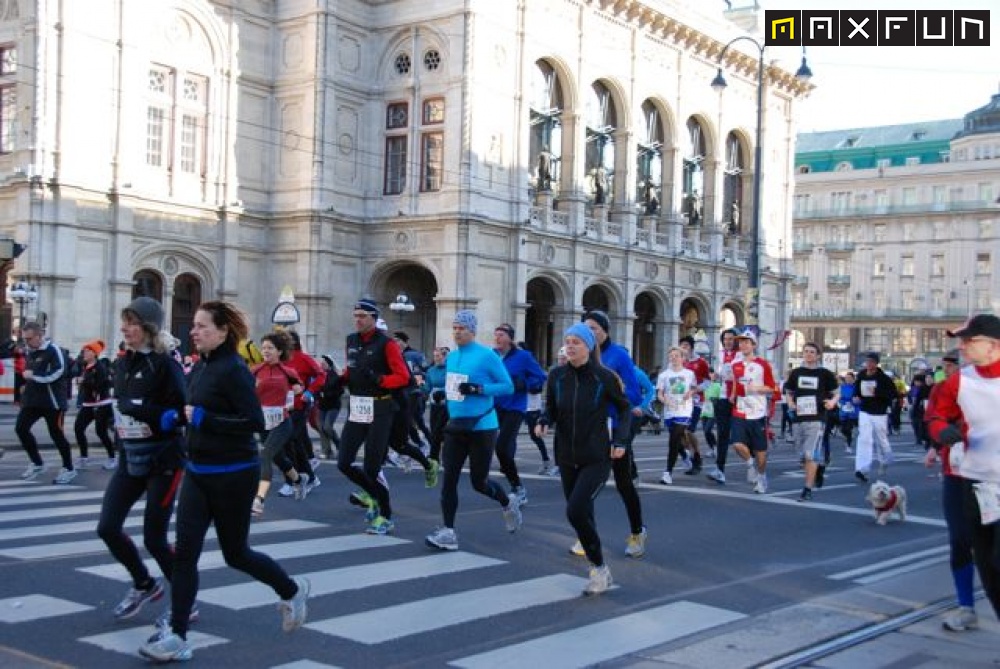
(730, 578)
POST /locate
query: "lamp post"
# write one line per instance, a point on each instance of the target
(402, 304)
(22, 293)
(719, 84)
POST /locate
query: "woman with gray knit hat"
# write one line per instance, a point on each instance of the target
(149, 386)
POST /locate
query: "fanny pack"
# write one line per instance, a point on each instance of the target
(148, 457)
(464, 424)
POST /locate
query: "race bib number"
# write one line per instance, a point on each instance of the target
(273, 417)
(130, 428)
(955, 456)
(808, 382)
(752, 407)
(362, 410)
(451, 383)
(868, 388)
(806, 406)
(988, 496)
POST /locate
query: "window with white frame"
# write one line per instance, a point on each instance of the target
(397, 122)
(906, 268)
(937, 265)
(176, 120)
(878, 265)
(937, 300)
(432, 145)
(8, 98)
(879, 232)
(983, 264)
(906, 300)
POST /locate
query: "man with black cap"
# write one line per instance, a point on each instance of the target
(616, 358)
(966, 408)
(375, 367)
(874, 396)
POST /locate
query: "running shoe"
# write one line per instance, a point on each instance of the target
(287, 490)
(381, 526)
(717, 475)
(760, 487)
(752, 474)
(512, 517)
(667, 479)
(110, 465)
(554, 471)
(301, 487)
(636, 545)
(600, 580)
(806, 495)
(32, 472)
(361, 498)
(314, 463)
(293, 611)
(861, 476)
(81, 463)
(313, 483)
(546, 469)
(135, 599)
(163, 620)
(963, 619)
(521, 493)
(577, 549)
(443, 538)
(688, 463)
(431, 474)
(166, 647)
(65, 476)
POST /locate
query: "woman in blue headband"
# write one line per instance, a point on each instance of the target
(577, 400)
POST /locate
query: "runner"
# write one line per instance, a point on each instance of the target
(810, 392)
(149, 387)
(475, 375)
(95, 405)
(578, 398)
(222, 414)
(723, 407)
(753, 385)
(675, 388)
(874, 394)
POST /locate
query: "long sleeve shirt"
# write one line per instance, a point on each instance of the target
(475, 363)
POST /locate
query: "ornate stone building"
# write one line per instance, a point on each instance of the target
(897, 233)
(528, 158)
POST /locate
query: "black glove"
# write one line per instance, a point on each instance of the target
(438, 396)
(470, 388)
(370, 376)
(519, 385)
(950, 435)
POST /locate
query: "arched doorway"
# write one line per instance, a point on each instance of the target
(539, 320)
(187, 297)
(596, 297)
(419, 286)
(730, 316)
(147, 283)
(644, 332)
(692, 318)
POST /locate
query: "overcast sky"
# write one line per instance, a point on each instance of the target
(868, 86)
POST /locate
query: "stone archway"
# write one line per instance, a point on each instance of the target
(692, 317)
(644, 331)
(420, 288)
(539, 320)
(731, 315)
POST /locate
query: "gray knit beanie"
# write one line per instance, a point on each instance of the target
(148, 310)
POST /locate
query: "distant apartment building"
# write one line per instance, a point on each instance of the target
(896, 230)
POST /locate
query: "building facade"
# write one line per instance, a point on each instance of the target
(528, 159)
(896, 235)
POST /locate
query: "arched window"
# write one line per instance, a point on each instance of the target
(602, 120)
(649, 161)
(546, 105)
(147, 283)
(732, 187)
(694, 172)
(187, 297)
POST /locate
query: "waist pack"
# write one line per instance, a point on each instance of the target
(153, 457)
(463, 424)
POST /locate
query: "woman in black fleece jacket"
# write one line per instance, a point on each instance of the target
(222, 414)
(579, 396)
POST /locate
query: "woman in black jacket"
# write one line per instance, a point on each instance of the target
(580, 397)
(223, 413)
(95, 404)
(149, 385)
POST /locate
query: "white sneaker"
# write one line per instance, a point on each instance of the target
(65, 476)
(287, 490)
(314, 463)
(577, 549)
(313, 483)
(81, 463)
(293, 611)
(512, 517)
(382, 479)
(600, 580)
(760, 487)
(963, 619)
(443, 538)
(752, 474)
(110, 465)
(717, 475)
(688, 463)
(32, 472)
(666, 479)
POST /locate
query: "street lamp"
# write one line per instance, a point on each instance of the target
(22, 293)
(803, 74)
(402, 303)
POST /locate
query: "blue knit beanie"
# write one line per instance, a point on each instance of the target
(583, 333)
(467, 319)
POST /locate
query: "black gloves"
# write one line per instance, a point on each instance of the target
(950, 435)
(470, 388)
(438, 396)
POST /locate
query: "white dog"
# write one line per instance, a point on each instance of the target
(885, 499)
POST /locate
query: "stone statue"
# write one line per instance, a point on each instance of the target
(600, 186)
(734, 217)
(544, 169)
(694, 204)
(649, 197)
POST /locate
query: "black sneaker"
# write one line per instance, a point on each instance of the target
(820, 473)
(861, 476)
(806, 495)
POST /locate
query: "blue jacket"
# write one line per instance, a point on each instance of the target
(526, 374)
(616, 358)
(480, 365)
(647, 387)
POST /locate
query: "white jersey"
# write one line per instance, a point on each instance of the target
(675, 386)
(979, 399)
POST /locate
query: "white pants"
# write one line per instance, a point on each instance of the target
(872, 435)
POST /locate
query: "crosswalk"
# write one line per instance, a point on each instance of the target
(30, 509)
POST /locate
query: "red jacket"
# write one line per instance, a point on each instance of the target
(312, 375)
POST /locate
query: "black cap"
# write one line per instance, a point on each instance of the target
(952, 356)
(982, 325)
(598, 317)
(872, 355)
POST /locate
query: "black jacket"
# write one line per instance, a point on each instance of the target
(577, 401)
(221, 384)
(95, 381)
(147, 384)
(883, 392)
(47, 389)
